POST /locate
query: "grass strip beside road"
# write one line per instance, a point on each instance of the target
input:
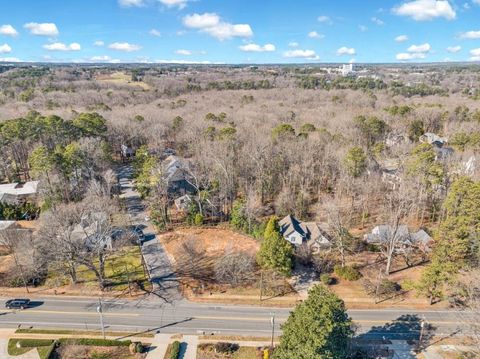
(82, 332)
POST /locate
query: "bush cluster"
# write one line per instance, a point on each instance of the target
(348, 272)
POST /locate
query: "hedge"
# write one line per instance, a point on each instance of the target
(175, 351)
(33, 343)
(95, 342)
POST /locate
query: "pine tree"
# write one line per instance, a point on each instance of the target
(275, 252)
(318, 328)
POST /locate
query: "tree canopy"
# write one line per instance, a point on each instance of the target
(318, 328)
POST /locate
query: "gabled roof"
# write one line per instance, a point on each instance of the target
(6, 225)
(382, 233)
(19, 189)
(172, 166)
(289, 225)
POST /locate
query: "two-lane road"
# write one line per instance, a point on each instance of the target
(193, 318)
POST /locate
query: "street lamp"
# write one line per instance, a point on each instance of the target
(272, 322)
(100, 311)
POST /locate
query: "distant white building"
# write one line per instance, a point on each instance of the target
(347, 69)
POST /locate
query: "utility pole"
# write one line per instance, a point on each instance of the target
(100, 311)
(422, 326)
(261, 285)
(377, 289)
(272, 321)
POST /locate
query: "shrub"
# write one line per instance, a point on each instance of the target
(175, 350)
(139, 348)
(326, 279)
(227, 348)
(198, 219)
(348, 272)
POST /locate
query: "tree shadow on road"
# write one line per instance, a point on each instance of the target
(407, 327)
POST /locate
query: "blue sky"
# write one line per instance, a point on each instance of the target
(240, 31)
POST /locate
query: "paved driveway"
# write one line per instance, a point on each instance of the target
(32, 354)
(165, 285)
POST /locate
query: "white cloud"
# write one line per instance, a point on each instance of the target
(174, 3)
(470, 35)
(104, 58)
(407, 56)
(378, 21)
(44, 29)
(183, 52)
(8, 30)
(5, 49)
(475, 54)
(203, 21)
(301, 54)
(477, 2)
(362, 28)
(257, 48)
(454, 49)
(60, 46)
(425, 10)
(293, 44)
(130, 3)
(346, 51)
(424, 48)
(124, 46)
(324, 19)
(99, 43)
(10, 59)
(211, 24)
(401, 38)
(315, 35)
(155, 32)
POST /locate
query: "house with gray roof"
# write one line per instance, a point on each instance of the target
(18, 193)
(176, 174)
(299, 233)
(381, 234)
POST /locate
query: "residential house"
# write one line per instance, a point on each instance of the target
(406, 240)
(18, 193)
(90, 232)
(433, 139)
(177, 175)
(310, 233)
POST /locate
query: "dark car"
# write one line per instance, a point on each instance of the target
(17, 303)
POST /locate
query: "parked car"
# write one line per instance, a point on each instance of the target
(17, 303)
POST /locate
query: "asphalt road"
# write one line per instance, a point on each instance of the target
(186, 317)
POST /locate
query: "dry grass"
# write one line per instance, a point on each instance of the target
(214, 241)
(121, 78)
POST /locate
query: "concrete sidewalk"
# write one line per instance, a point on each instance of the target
(159, 346)
(189, 347)
(32, 354)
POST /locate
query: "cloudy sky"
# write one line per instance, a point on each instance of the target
(240, 31)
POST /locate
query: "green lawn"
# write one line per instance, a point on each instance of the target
(121, 267)
(44, 347)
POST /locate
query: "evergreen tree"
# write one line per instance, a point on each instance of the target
(275, 252)
(318, 328)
